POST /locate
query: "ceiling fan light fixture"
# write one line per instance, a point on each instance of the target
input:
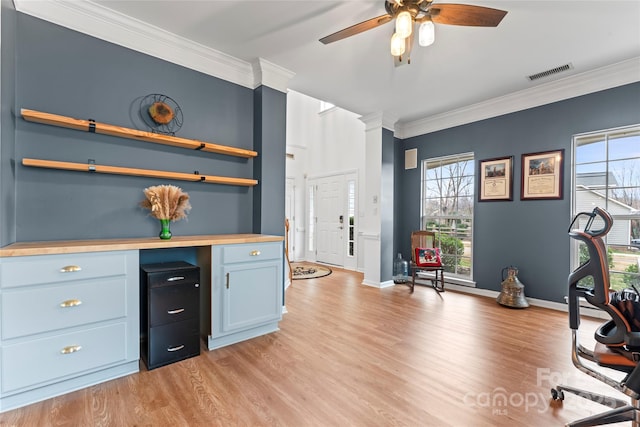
(397, 45)
(426, 33)
(404, 24)
(406, 13)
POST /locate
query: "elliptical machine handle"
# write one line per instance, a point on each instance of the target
(596, 212)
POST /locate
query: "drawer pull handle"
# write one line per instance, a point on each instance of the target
(70, 269)
(71, 349)
(70, 303)
(173, 279)
(176, 311)
(227, 280)
(255, 253)
(180, 347)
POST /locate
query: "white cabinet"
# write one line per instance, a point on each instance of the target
(67, 321)
(246, 291)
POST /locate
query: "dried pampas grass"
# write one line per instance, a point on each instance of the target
(166, 202)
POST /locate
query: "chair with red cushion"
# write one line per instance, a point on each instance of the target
(425, 257)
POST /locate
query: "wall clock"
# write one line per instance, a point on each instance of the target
(161, 114)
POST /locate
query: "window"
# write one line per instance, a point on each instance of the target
(351, 214)
(606, 173)
(447, 208)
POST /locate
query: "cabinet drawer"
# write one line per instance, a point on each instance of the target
(168, 274)
(34, 310)
(173, 342)
(33, 270)
(175, 303)
(251, 252)
(43, 360)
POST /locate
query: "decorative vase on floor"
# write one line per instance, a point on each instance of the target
(400, 270)
(165, 232)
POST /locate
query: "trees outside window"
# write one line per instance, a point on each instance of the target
(606, 173)
(448, 185)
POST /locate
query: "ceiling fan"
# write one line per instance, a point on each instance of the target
(423, 12)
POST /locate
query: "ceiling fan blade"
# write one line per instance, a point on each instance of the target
(356, 29)
(465, 14)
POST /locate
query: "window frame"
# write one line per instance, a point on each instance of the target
(468, 157)
(605, 191)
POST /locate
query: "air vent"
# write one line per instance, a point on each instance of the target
(560, 69)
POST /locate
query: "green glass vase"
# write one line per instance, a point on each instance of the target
(165, 231)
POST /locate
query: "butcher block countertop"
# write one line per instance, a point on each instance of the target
(101, 245)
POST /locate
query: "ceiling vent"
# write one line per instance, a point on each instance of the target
(560, 69)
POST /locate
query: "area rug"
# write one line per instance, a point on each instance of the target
(303, 270)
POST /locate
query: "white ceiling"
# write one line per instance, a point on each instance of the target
(465, 66)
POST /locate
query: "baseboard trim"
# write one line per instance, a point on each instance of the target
(558, 306)
(17, 400)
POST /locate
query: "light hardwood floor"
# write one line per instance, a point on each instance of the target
(351, 355)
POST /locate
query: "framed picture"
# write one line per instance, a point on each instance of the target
(496, 179)
(542, 175)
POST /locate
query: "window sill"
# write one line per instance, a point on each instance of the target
(447, 278)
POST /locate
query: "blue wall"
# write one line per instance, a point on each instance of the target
(64, 72)
(270, 130)
(386, 205)
(7, 99)
(531, 235)
(399, 196)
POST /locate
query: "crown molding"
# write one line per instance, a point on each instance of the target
(608, 77)
(389, 122)
(328, 111)
(372, 121)
(378, 120)
(103, 23)
(269, 74)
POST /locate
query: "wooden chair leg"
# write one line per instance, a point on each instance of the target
(441, 289)
(413, 280)
(439, 275)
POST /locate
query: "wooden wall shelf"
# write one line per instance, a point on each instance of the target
(107, 129)
(90, 167)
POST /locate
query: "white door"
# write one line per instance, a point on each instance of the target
(289, 212)
(331, 220)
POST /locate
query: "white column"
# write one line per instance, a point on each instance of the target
(371, 222)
